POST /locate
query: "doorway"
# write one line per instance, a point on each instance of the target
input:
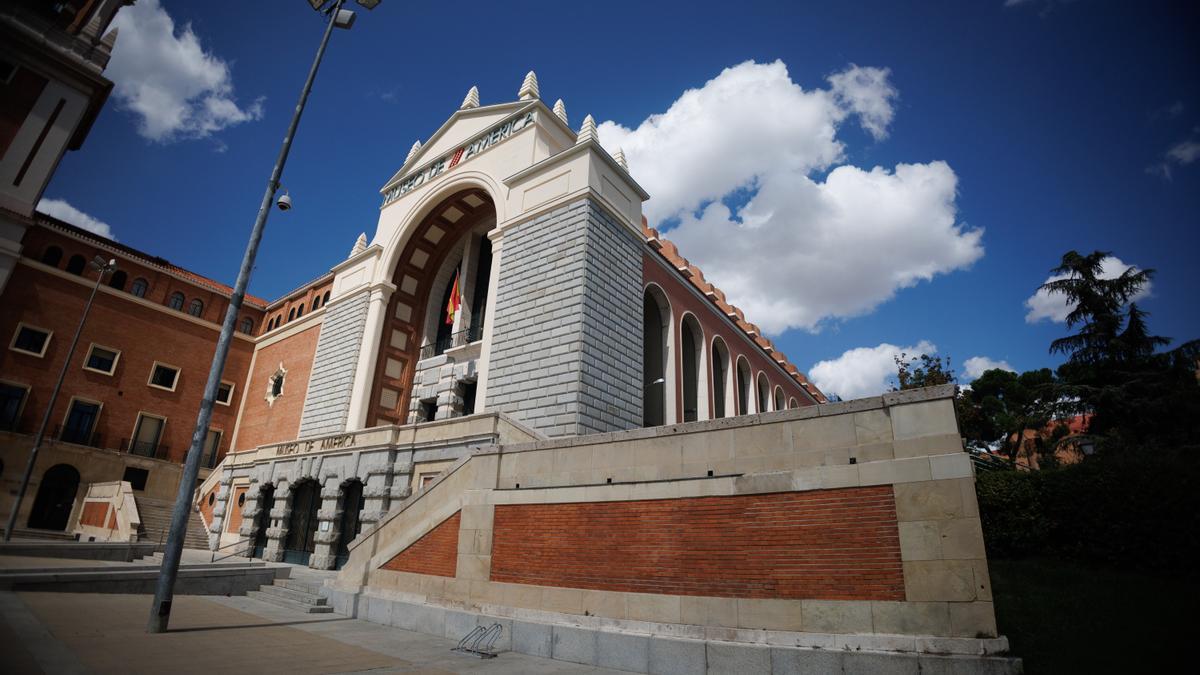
(352, 505)
(55, 498)
(266, 502)
(302, 526)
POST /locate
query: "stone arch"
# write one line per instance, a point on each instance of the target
(693, 374)
(435, 236)
(658, 400)
(745, 395)
(723, 389)
(55, 498)
(763, 389)
(304, 501)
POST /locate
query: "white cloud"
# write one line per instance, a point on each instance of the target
(59, 208)
(164, 76)
(1044, 305)
(863, 371)
(1180, 154)
(978, 365)
(866, 92)
(799, 251)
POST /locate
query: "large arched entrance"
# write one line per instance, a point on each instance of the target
(351, 523)
(262, 521)
(447, 256)
(302, 525)
(55, 498)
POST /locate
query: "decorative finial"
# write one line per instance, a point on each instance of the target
(620, 157)
(472, 99)
(587, 132)
(560, 109)
(360, 245)
(416, 147)
(529, 88)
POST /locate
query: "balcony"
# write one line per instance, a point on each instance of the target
(459, 339)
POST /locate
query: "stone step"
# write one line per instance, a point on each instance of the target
(302, 586)
(293, 594)
(291, 604)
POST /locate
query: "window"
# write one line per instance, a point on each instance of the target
(146, 435)
(101, 359)
(12, 401)
(52, 256)
(316, 303)
(163, 376)
(325, 298)
(175, 301)
(196, 308)
(792, 403)
(30, 340)
(247, 326)
(291, 314)
(76, 264)
(212, 443)
(118, 280)
(80, 422)
(428, 478)
(764, 394)
(139, 287)
(136, 477)
(275, 384)
(428, 410)
(241, 500)
(300, 311)
(778, 398)
(224, 392)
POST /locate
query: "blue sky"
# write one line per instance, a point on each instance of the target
(1050, 126)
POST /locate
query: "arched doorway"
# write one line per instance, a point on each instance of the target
(764, 394)
(262, 521)
(720, 375)
(352, 505)
(692, 352)
(656, 317)
(743, 387)
(302, 526)
(55, 498)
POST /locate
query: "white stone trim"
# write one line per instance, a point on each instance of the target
(12, 344)
(87, 356)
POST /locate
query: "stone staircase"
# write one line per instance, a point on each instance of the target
(156, 522)
(304, 596)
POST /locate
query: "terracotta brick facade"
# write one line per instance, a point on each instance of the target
(264, 421)
(93, 514)
(434, 553)
(839, 544)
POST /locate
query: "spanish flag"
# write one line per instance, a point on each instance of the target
(454, 302)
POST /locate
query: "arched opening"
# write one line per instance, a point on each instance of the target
(262, 521)
(196, 308)
(656, 353)
(351, 522)
(778, 398)
(176, 301)
(118, 280)
(316, 303)
(302, 525)
(52, 256)
(139, 287)
(76, 264)
(55, 498)
(792, 403)
(721, 375)
(743, 387)
(695, 401)
(247, 325)
(764, 393)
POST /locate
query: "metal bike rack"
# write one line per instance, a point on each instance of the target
(480, 641)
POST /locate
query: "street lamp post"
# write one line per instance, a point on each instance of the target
(104, 268)
(160, 611)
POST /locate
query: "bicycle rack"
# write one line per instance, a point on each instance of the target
(480, 641)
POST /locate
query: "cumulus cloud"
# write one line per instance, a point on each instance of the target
(1054, 306)
(59, 208)
(863, 371)
(1180, 154)
(978, 365)
(866, 92)
(164, 76)
(798, 250)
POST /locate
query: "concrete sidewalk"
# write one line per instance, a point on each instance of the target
(105, 633)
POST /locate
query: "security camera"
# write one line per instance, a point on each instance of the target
(284, 202)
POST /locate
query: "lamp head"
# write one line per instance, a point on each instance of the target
(284, 202)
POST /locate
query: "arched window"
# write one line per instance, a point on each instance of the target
(291, 314)
(52, 256)
(764, 394)
(247, 325)
(656, 355)
(76, 264)
(792, 403)
(139, 287)
(118, 280)
(316, 303)
(196, 307)
(743, 386)
(692, 352)
(325, 298)
(176, 301)
(778, 397)
(300, 310)
(720, 375)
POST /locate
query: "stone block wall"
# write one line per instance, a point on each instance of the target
(327, 401)
(566, 342)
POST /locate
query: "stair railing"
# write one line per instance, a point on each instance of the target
(240, 542)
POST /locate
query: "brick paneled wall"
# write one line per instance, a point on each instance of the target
(435, 553)
(93, 514)
(825, 544)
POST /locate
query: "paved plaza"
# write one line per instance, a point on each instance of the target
(105, 633)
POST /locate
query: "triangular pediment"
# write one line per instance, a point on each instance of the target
(457, 130)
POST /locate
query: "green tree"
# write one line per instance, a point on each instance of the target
(1001, 405)
(922, 371)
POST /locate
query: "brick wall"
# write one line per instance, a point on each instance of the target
(435, 553)
(826, 544)
(329, 388)
(233, 510)
(264, 422)
(93, 514)
(566, 349)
